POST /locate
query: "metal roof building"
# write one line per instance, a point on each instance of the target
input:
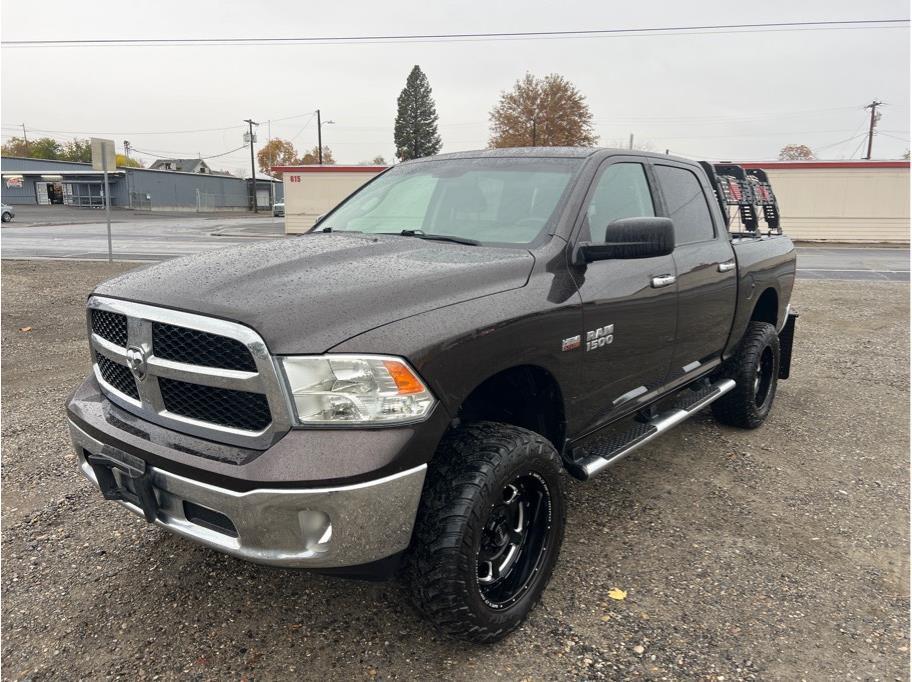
(43, 181)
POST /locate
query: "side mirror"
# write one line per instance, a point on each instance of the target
(629, 238)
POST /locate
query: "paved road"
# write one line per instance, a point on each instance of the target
(853, 262)
(37, 233)
(135, 236)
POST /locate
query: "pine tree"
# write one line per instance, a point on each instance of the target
(416, 120)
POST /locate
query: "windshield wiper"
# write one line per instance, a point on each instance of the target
(421, 234)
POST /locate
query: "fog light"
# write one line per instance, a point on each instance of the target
(316, 529)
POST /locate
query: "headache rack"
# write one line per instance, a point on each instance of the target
(748, 190)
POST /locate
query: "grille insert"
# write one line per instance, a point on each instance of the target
(110, 326)
(194, 347)
(117, 375)
(235, 409)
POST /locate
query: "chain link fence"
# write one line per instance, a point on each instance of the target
(141, 201)
(209, 202)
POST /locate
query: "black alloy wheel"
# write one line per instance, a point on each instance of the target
(755, 369)
(488, 531)
(514, 540)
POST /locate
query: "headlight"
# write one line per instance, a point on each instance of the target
(355, 389)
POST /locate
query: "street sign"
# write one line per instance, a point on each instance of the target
(103, 157)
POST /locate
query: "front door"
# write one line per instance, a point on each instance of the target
(629, 306)
(41, 189)
(705, 264)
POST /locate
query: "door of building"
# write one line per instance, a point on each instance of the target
(41, 190)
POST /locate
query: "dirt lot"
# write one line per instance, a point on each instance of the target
(775, 554)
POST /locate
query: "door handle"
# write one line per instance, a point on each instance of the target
(727, 265)
(660, 281)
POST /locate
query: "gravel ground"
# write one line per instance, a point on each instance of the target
(780, 553)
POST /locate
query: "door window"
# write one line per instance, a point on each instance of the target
(686, 204)
(622, 191)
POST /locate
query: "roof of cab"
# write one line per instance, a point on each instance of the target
(565, 152)
(549, 152)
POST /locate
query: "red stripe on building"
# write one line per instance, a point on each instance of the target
(773, 165)
(328, 169)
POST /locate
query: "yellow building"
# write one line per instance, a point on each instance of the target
(310, 191)
(841, 201)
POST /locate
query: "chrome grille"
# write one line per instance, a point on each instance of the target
(197, 374)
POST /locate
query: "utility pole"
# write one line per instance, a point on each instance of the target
(250, 123)
(873, 107)
(25, 136)
(319, 139)
(271, 162)
(320, 125)
(631, 141)
(127, 149)
(534, 132)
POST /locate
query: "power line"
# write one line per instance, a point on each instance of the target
(895, 137)
(128, 132)
(431, 37)
(188, 156)
(303, 127)
(861, 142)
(148, 132)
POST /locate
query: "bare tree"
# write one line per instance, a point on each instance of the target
(795, 152)
(545, 112)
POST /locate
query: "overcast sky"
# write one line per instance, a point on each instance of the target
(737, 96)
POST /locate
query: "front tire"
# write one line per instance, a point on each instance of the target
(7, 217)
(489, 530)
(755, 369)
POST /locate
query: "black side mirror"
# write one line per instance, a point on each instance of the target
(629, 238)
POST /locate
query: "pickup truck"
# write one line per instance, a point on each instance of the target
(407, 389)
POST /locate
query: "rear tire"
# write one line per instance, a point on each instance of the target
(755, 370)
(489, 530)
(7, 217)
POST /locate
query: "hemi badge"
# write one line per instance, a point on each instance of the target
(571, 343)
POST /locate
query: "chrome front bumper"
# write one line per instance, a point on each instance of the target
(306, 528)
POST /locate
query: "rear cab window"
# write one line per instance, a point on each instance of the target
(686, 204)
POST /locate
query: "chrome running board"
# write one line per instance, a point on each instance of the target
(604, 453)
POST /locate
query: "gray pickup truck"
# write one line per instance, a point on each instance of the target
(406, 389)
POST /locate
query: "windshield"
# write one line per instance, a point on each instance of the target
(492, 201)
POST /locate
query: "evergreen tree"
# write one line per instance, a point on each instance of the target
(416, 120)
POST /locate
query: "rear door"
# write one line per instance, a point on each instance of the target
(706, 271)
(629, 306)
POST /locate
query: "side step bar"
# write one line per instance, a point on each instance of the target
(606, 452)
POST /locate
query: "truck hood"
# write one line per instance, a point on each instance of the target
(310, 293)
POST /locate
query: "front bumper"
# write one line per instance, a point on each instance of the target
(327, 527)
